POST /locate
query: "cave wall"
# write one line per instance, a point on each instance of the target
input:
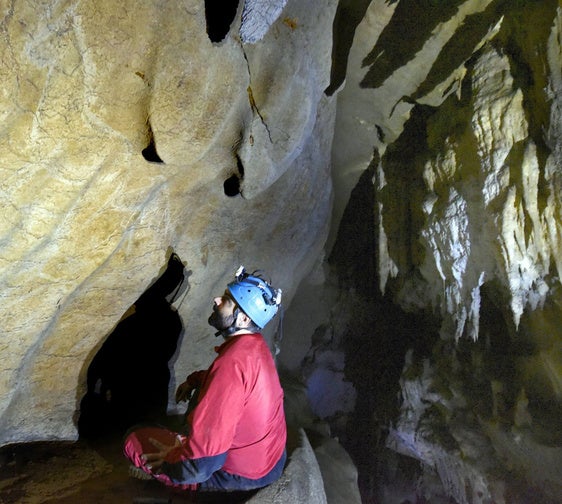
(446, 169)
(121, 123)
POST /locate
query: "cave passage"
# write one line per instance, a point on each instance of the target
(128, 378)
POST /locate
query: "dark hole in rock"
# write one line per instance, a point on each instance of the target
(149, 153)
(219, 15)
(128, 378)
(232, 186)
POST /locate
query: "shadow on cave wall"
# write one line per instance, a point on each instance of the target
(128, 378)
(376, 341)
(348, 16)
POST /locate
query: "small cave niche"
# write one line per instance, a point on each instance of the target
(219, 15)
(232, 184)
(149, 152)
(128, 378)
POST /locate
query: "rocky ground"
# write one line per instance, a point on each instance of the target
(70, 473)
(97, 473)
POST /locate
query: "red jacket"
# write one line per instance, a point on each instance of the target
(239, 410)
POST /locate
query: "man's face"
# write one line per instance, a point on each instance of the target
(223, 312)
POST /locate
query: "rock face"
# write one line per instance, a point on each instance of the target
(301, 481)
(448, 132)
(126, 134)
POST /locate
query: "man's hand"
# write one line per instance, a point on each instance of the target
(192, 382)
(184, 391)
(156, 459)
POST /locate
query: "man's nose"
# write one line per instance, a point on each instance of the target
(217, 300)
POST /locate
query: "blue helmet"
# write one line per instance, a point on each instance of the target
(255, 297)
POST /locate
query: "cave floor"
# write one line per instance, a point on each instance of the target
(70, 473)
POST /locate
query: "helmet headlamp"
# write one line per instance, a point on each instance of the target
(256, 297)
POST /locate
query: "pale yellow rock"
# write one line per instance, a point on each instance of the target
(87, 221)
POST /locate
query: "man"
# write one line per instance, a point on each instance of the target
(236, 432)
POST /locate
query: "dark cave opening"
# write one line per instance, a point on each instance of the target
(219, 15)
(128, 378)
(149, 152)
(232, 184)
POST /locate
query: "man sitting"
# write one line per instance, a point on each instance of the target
(236, 433)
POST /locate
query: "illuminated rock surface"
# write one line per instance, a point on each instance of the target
(88, 221)
(441, 283)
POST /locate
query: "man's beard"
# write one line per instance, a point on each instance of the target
(219, 321)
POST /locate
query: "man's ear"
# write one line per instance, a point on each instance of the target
(243, 320)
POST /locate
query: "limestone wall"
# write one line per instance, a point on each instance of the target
(444, 260)
(88, 222)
